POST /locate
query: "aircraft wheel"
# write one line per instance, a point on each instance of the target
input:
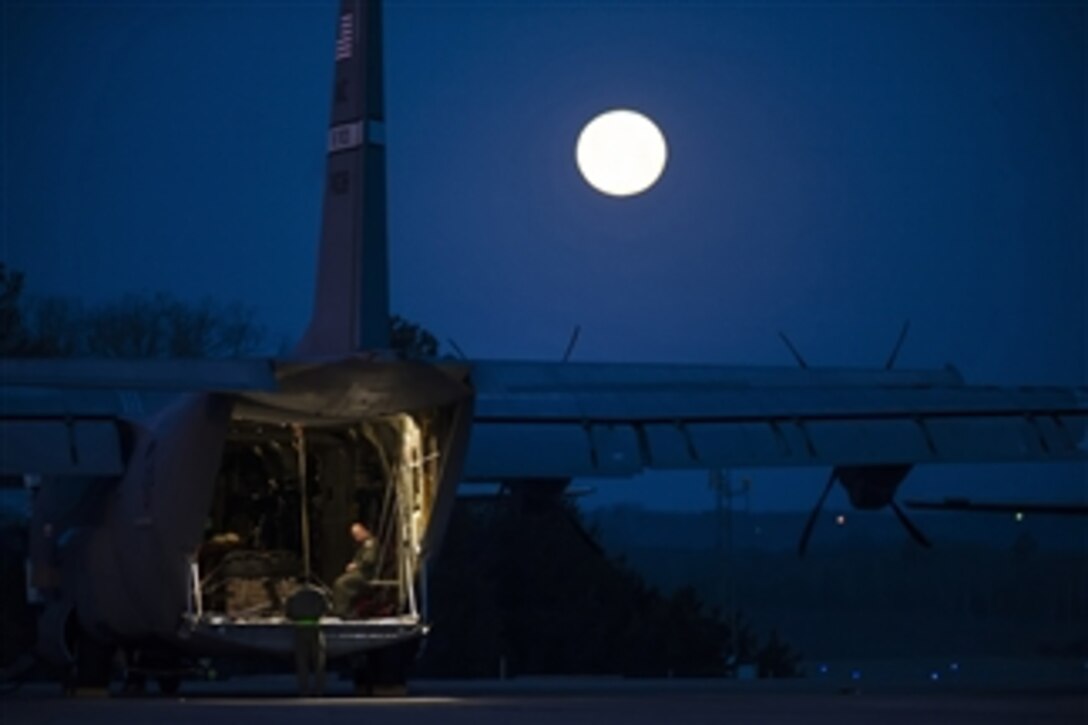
(135, 684)
(362, 678)
(384, 672)
(169, 684)
(92, 668)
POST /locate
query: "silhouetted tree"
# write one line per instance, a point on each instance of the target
(158, 325)
(163, 326)
(528, 586)
(136, 326)
(12, 331)
(58, 327)
(777, 659)
(411, 341)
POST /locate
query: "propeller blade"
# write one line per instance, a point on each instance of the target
(573, 341)
(457, 348)
(913, 530)
(898, 345)
(796, 354)
(811, 523)
(580, 528)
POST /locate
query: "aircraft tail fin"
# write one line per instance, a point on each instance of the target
(351, 299)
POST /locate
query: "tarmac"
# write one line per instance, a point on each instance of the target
(964, 693)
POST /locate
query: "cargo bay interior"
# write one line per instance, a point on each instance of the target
(286, 497)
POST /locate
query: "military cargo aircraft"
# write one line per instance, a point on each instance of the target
(176, 504)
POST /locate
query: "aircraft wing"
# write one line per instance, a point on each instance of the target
(561, 420)
(171, 375)
(62, 416)
(69, 417)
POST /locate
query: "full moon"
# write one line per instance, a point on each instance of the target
(621, 153)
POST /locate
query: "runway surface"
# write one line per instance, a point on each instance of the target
(268, 701)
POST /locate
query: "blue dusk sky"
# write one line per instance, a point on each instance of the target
(834, 168)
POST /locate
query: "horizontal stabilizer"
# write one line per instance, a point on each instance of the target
(167, 375)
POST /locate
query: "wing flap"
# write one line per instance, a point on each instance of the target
(556, 450)
(586, 420)
(169, 375)
(666, 403)
(60, 448)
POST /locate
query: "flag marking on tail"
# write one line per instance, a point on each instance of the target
(345, 37)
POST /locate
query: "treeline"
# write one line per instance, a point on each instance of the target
(895, 600)
(156, 325)
(134, 326)
(521, 588)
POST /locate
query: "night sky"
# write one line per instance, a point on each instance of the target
(834, 169)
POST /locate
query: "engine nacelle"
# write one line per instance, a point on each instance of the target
(872, 487)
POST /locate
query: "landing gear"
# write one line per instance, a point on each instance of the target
(135, 684)
(169, 684)
(384, 672)
(142, 665)
(91, 669)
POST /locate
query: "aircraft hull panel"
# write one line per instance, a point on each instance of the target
(277, 637)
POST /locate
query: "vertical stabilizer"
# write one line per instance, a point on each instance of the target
(351, 300)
